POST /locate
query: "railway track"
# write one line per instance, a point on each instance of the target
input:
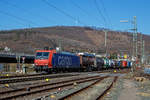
(83, 90)
(33, 78)
(31, 90)
(21, 75)
(116, 71)
(108, 89)
(5, 76)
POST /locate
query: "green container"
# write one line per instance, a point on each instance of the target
(106, 63)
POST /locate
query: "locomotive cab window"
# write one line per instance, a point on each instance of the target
(42, 55)
(45, 55)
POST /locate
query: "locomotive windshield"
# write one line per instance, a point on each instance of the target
(42, 55)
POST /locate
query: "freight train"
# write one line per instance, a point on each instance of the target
(52, 61)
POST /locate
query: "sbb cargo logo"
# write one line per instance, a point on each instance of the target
(64, 61)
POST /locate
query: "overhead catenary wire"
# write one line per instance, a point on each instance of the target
(83, 10)
(27, 11)
(6, 27)
(16, 21)
(18, 18)
(100, 12)
(63, 12)
(3, 26)
(105, 11)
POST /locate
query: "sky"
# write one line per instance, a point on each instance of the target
(16, 14)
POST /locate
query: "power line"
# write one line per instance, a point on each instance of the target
(25, 10)
(18, 18)
(101, 1)
(83, 10)
(1, 26)
(99, 11)
(5, 27)
(19, 22)
(75, 4)
(63, 12)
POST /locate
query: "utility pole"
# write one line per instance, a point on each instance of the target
(135, 41)
(105, 37)
(106, 41)
(141, 46)
(135, 36)
(143, 51)
(60, 48)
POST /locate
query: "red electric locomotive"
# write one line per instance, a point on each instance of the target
(43, 60)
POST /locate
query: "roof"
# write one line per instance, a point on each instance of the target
(45, 50)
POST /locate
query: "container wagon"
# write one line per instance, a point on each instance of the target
(86, 61)
(98, 63)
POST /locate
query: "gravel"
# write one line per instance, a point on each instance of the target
(144, 89)
(114, 93)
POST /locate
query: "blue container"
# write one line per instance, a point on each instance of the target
(128, 64)
(119, 64)
(64, 60)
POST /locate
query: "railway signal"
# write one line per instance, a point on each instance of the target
(18, 63)
(23, 66)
